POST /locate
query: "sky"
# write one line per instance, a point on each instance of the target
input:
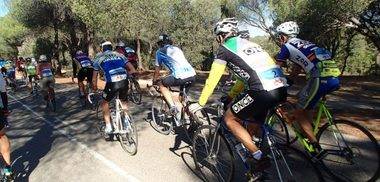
(3, 8)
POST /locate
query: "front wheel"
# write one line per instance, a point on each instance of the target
(135, 90)
(351, 151)
(212, 155)
(162, 121)
(129, 140)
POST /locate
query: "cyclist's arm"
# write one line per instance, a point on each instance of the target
(236, 89)
(216, 72)
(95, 75)
(157, 64)
(131, 69)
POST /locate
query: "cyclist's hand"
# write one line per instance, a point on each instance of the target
(289, 81)
(193, 108)
(226, 100)
(155, 82)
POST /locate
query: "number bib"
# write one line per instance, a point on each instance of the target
(85, 63)
(47, 72)
(272, 78)
(118, 74)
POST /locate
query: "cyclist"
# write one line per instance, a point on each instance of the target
(114, 66)
(320, 81)
(10, 73)
(84, 64)
(45, 72)
(31, 71)
(132, 56)
(120, 48)
(21, 67)
(180, 69)
(5, 147)
(264, 81)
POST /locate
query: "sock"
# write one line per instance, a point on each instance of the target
(257, 155)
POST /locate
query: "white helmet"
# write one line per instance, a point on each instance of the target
(120, 44)
(227, 25)
(106, 43)
(289, 28)
(43, 57)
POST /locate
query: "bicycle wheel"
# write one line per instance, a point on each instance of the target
(351, 151)
(135, 90)
(279, 129)
(212, 155)
(128, 140)
(195, 121)
(290, 164)
(161, 121)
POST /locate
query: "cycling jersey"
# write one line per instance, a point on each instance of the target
(249, 62)
(45, 70)
(300, 52)
(83, 60)
(112, 64)
(174, 59)
(31, 70)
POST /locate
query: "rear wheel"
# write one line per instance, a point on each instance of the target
(351, 151)
(135, 91)
(212, 155)
(129, 140)
(162, 121)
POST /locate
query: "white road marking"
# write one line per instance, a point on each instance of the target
(95, 154)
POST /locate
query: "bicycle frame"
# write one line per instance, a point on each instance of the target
(117, 121)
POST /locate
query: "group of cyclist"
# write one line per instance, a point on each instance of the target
(260, 86)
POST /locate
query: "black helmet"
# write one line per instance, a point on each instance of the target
(164, 39)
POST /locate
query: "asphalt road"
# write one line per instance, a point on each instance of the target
(65, 146)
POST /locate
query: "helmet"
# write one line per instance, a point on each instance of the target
(164, 38)
(120, 44)
(79, 52)
(43, 58)
(227, 25)
(244, 34)
(289, 28)
(106, 46)
(28, 59)
(129, 50)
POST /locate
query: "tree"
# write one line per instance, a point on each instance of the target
(12, 35)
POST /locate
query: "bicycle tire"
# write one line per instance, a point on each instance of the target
(279, 129)
(129, 141)
(293, 165)
(160, 122)
(349, 152)
(195, 122)
(205, 163)
(136, 93)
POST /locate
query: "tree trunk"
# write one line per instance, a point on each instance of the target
(347, 49)
(138, 52)
(56, 51)
(90, 40)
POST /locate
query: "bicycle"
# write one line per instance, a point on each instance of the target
(124, 127)
(338, 139)
(163, 121)
(51, 102)
(134, 92)
(35, 87)
(213, 155)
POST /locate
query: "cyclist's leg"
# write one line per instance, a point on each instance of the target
(123, 94)
(164, 84)
(302, 114)
(5, 147)
(109, 93)
(81, 76)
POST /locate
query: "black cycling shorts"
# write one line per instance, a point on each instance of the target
(253, 106)
(171, 81)
(113, 88)
(84, 73)
(31, 78)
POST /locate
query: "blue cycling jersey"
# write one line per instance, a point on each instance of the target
(112, 64)
(174, 59)
(83, 60)
(300, 52)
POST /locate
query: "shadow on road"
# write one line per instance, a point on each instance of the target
(29, 155)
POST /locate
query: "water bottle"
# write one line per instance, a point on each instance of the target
(242, 151)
